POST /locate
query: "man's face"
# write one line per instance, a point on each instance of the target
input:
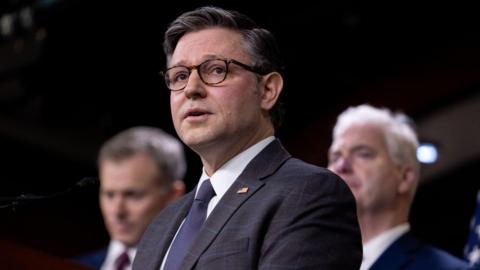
(360, 157)
(219, 115)
(130, 196)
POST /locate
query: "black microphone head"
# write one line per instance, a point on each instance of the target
(87, 181)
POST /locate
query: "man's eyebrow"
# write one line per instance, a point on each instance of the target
(204, 58)
(361, 147)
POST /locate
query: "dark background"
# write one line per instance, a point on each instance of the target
(85, 70)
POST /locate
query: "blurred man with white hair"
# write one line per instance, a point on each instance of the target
(374, 151)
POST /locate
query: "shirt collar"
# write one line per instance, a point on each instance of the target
(375, 247)
(224, 177)
(116, 248)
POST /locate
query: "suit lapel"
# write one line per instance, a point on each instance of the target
(170, 223)
(217, 219)
(399, 255)
(263, 165)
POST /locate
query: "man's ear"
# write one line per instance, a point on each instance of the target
(409, 179)
(272, 84)
(178, 189)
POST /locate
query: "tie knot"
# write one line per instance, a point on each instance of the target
(122, 261)
(206, 192)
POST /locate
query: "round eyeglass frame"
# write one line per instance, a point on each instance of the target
(198, 67)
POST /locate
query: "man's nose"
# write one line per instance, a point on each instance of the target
(342, 165)
(119, 208)
(195, 87)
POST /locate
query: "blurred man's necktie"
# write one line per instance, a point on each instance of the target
(122, 261)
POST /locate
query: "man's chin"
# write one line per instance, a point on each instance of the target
(128, 241)
(196, 140)
(355, 190)
(352, 184)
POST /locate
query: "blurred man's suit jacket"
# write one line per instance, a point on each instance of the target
(409, 253)
(93, 260)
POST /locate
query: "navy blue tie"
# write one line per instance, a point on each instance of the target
(193, 222)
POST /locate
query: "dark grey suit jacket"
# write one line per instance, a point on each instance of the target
(294, 216)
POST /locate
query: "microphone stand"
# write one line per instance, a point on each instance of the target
(23, 198)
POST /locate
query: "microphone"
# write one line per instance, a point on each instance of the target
(22, 198)
(87, 181)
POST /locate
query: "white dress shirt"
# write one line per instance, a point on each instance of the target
(375, 247)
(224, 177)
(115, 249)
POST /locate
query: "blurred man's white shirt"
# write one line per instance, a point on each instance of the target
(115, 249)
(375, 247)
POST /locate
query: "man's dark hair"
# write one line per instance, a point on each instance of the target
(260, 43)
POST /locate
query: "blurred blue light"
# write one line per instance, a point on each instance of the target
(427, 153)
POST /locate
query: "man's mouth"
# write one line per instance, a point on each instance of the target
(196, 113)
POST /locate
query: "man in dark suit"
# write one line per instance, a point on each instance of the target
(140, 173)
(471, 252)
(374, 151)
(255, 206)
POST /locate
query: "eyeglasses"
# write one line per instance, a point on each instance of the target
(211, 72)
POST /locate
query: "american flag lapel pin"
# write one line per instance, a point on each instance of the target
(242, 190)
